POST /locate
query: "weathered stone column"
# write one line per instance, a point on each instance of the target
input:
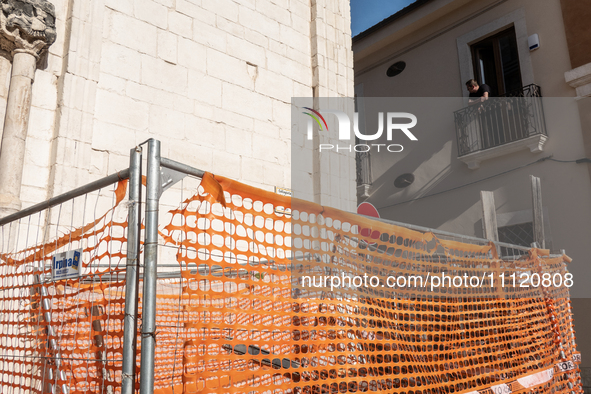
(27, 29)
(16, 122)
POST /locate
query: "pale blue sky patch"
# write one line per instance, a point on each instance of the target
(366, 13)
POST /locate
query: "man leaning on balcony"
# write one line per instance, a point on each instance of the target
(478, 93)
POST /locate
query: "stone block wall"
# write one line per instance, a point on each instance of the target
(212, 79)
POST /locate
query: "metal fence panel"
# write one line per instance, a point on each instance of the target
(246, 324)
(63, 334)
(225, 308)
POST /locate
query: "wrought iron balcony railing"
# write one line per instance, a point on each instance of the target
(501, 120)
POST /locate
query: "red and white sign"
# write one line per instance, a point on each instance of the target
(367, 209)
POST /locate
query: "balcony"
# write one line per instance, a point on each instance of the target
(501, 125)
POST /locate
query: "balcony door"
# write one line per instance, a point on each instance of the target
(496, 62)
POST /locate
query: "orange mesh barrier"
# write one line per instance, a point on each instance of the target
(241, 319)
(66, 334)
(250, 326)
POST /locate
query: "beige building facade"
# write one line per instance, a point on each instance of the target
(535, 54)
(212, 79)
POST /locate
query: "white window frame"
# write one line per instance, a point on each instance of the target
(516, 19)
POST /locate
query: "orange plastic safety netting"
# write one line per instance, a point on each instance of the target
(257, 308)
(262, 312)
(63, 335)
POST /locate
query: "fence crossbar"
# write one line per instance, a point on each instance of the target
(180, 167)
(88, 188)
(448, 234)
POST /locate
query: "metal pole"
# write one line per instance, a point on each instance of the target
(131, 272)
(53, 345)
(109, 180)
(150, 260)
(180, 167)
(447, 233)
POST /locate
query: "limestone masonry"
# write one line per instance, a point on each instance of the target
(212, 79)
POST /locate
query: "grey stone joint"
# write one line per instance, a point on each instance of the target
(27, 25)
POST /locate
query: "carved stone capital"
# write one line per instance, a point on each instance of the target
(27, 26)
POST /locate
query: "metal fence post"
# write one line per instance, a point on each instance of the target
(53, 344)
(131, 272)
(153, 187)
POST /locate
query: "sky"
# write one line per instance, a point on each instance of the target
(366, 13)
